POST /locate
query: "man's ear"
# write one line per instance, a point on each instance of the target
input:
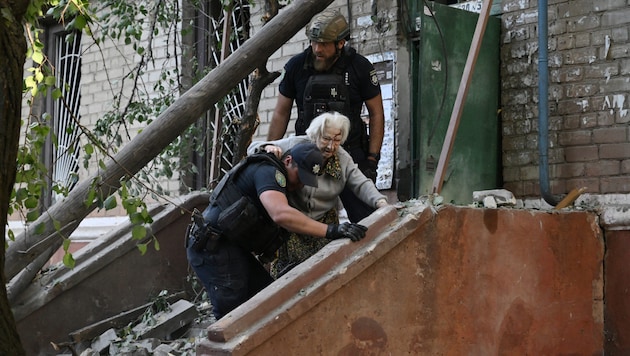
(340, 44)
(288, 159)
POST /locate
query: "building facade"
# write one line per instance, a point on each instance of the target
(587, 93)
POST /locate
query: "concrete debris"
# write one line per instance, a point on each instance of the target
(494, 198)
(490, 202)
(174, 331)
(165, 323)
(89, 352)
(163, 350)
(104, 340)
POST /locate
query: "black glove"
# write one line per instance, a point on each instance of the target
(369, 167)
(354, 232)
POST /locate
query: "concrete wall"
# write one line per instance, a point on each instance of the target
(463, 281)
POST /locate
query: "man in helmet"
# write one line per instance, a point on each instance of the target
(330, 76)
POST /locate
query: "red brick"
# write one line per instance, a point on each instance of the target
(516, 187)
(529, 172)
(575, 138)
(617, 150)
(581, 153)
(574, 106)
(602, 168)
(610, 134)
(605, 118)
(568, 170)
(619, 184)
(591, 184)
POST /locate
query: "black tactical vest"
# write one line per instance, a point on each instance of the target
(240, 219)
(326, 92)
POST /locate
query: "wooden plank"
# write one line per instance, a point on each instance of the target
(460, 100)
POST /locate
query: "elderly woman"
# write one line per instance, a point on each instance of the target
(328, 131)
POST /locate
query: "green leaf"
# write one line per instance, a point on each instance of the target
(39, 229)
(49, 80)
(32, 215)
(66, 244)
(139, 232)
(29, 82)
(38, 57)
(110, 203)
(156, 244)
(68, 260)
(56, 93)
(80, 22)
(90, 197)
(31, 202)
(142, 248)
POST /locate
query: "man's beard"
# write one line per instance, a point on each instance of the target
(322, 65)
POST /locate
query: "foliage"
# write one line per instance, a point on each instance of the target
(132, 24)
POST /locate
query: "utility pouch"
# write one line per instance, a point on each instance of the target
(201, 235)
(238, 220)
(242, 225)
(268, 252)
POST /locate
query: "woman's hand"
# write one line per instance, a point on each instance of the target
(381, 203)
(277, 151)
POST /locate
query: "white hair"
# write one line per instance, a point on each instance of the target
(331, 119)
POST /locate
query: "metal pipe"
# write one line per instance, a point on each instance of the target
(543, 105)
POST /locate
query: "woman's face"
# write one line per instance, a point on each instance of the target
(329, 142)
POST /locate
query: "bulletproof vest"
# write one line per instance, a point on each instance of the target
(227, 192)
(325, 92)
(240, 220)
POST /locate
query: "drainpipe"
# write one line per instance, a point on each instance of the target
(543, 105)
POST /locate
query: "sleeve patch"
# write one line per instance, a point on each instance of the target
(281, 179)
(373, 77)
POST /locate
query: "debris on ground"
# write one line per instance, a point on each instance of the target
(169, 325)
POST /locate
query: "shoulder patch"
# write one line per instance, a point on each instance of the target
(374, 77)
(281, 179)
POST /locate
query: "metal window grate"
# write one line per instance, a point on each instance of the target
(65, 165)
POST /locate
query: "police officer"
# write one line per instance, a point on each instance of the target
(330, 76)
(246, 218)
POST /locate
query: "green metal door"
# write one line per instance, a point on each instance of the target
(445, 39)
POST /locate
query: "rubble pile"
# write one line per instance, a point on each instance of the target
(158, 328)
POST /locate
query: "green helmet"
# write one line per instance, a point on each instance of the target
(328, 26)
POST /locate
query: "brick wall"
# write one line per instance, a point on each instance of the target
(365, 38)
(589, 81)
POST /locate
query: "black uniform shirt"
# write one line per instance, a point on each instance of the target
(362, 80)
(255, 179)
